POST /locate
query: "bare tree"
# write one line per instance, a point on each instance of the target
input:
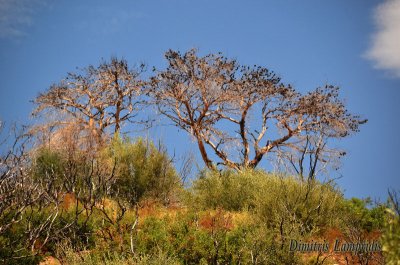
(16, 191)
(98, 97)
(226, 107)
(308, 157)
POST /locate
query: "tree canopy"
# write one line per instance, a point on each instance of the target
(226, 107)
(98, 98)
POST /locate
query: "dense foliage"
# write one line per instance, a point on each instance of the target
(223, 218)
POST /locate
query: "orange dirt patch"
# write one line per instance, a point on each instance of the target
(219, 220)
(50, 261)
(69, 200)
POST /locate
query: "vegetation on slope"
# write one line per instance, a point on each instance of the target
(73, 191)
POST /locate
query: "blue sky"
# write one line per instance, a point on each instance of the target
(352, 44)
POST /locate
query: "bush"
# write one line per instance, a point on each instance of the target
(283, 207)
(141, 170)
(391, 238)
(228, 190)
(360, 214)
(274, 199)
(134, 169)
(391, 231)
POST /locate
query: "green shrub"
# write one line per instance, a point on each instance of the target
(228, 190)
(283, 208)
(295, 207)
(141, 170)
(391, 238)
(391, 230)
(361, 214)
(275, 199)
(14, 248)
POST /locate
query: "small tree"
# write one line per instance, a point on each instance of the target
(227, 106)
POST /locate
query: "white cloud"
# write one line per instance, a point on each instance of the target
(17, 15)
(385, 48)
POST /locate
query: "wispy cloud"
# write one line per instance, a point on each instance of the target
(385, 48)
(16, 16)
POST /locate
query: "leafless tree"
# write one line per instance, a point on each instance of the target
(98, 97)
(309, 156)
(15, 197)
(228, 107)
